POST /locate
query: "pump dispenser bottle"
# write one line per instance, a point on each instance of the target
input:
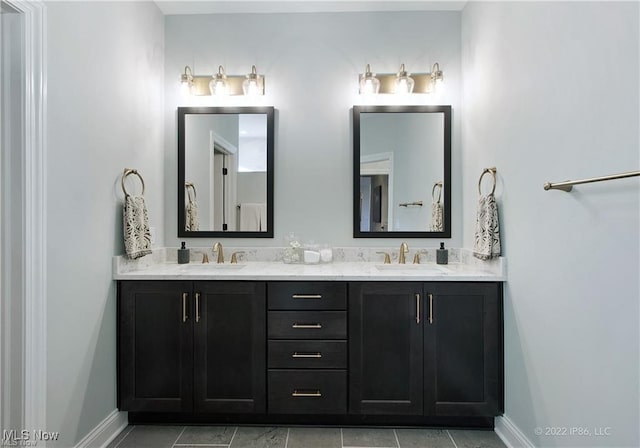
(442, 255)
(183, 254)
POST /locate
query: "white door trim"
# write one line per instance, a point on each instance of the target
(35, 200)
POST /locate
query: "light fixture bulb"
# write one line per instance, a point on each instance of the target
(218, 85)
(437, 79)
(251, 84)
(186, 81)
(369, 84)
(403, 82)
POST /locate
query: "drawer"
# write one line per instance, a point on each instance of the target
(307, 295)
(307, 354)
(307, 324)
(307, 392)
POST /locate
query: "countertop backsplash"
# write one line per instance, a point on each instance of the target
(165, 255)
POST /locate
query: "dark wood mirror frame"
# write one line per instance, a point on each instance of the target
(270, 114)
(446, 110)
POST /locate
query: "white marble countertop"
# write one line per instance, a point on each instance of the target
(164, 267)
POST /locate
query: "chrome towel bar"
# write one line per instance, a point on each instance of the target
(567, 185)
(410, 204)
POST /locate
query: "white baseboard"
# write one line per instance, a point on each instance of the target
(510, 434)
(106, 431)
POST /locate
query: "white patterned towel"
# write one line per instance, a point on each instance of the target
(191, 210)
(487, 238)
(436, 217)
(137, 237)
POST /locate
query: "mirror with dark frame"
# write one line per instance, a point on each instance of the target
(402, 171)
(225, 172)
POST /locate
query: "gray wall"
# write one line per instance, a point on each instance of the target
(105, 84)
(551, 93)
(311, 63)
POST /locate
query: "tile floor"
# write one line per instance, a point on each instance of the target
(300, 437)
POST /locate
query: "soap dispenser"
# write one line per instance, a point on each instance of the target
(442, 255)
(183, 254)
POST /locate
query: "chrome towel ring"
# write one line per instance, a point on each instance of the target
(433, 190)
(127, 172)
(187, 186)
(491, 170)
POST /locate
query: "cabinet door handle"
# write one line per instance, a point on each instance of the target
(306, 355)
(307, 393)
(307, 296)
(197, 307)
(417, 308)
(307, 326)
(184, 306)
(430, 308)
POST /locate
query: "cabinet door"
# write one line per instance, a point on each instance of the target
(463, 349)
(155, 341)
(385, 348)
(230, 347)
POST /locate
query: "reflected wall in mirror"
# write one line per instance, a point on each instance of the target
(402, 171)
(225, 171)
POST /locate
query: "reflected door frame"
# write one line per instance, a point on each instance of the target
(381, 170)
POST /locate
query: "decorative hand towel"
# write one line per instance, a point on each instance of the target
(137, 237)
(192, 216)
(436, 217)
(487, 237)
(250, 217)
(263, 217)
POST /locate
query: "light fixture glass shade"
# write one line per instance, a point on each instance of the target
(218, 85)
(437, 79)
(403, 82)
(186, 81)
(251, 84)
(369, 84)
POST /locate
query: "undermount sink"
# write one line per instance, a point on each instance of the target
(425, 268)
(212, 266)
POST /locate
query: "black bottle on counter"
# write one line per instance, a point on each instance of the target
(442, 255)
(183, 254)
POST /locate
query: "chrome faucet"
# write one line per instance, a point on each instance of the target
(404, 248)
(217, 247)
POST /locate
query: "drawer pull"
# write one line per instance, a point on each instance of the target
(306, 355)
(307, 326)
(315, 393)
(307, 296)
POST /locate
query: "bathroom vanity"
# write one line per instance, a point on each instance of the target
(343, 343)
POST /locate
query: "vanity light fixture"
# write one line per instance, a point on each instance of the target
(436, 77)
(253, 85)
(186, 81)
(220, 84)
(401, 82)
(369, 84)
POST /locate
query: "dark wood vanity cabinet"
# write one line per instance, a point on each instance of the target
(385, 348)
(463, 342)
(307, 333)
(341, 352)
(229, 347)
(433, 349)
(155, 340)
(191, 346)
